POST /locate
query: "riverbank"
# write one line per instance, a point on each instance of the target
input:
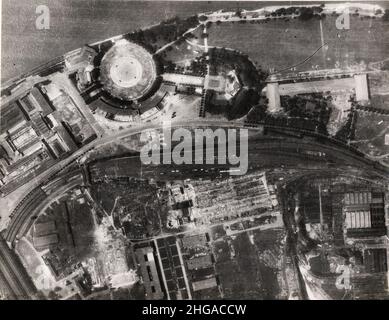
(362, 9)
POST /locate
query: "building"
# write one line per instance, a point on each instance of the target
(44, 228)
(274, 89)
(229, 85)
(358, 219)
(40, 101)
(57, 145)
(215, 83)
(233, 84)
(375, 260)
(168, 87)
(364, 213)
(45, 242)
(194, 241)
(200, 262)
(148, 268)
(11, 116)
(173, 268)
(182, 193)
(45, 235)
(123, 280)
(273, 95)
(85, 55)
(183, 79)
(31, 138)
(204, 284)
(23, 139)
(317, 205)
(361, 87)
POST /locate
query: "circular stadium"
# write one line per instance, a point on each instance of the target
(127, 71)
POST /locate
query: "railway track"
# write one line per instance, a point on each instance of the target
(22, 218)
(13, 274)
(6, 292)
(335, 150)
(23, 212)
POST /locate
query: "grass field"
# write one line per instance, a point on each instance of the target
(370, 133)
(379, 85)
(280, 43)
(182, 53)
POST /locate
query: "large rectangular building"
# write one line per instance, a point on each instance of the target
(173, 268)
(184, 79)
(11, 115)
(364, 213)
(148, 268)
(204, 284)
(375, 260)
(273, 94)
(44, 228)
(358, 219)
(361, 87)
(200, 262)
(45, 242)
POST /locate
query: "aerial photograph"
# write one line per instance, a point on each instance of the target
(194, 150)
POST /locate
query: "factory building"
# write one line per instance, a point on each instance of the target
(148, 268)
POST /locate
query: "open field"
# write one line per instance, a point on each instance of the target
(133, 205)
(380, 102)
(182, 53)
(283, 39)
(248, 265)
(33, 263)
(290, 42)
(379, 85)
(370, 133)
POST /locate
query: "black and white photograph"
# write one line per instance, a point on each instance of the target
(194, 155)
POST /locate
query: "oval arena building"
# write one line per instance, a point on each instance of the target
(127, 71)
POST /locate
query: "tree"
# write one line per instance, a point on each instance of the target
(202, 18)
(385, 17)
(238, 13)
(242, 103)
(258, 112)
(306, 14)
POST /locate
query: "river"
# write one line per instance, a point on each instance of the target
(74, 23)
